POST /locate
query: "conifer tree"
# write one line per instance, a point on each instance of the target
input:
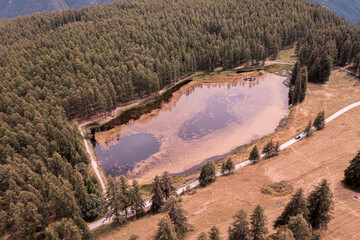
(113, 203)
(308, 129)
(207, 174)
(167, 184)
(297, 205)
(202, 236)
(295, 73)
(177, 216)
(284, 233)
(352, 174)
(134, 237)
(258, 224)
(157, 198)
(300, 228)
(214, 233)
(319, 122)
(325, 68)
(125, 194)
(240, 227)
(228, 166)
(166, 230)
(254, 155)
(320, 205)
(137, 201)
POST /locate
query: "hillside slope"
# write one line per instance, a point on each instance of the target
(14, 8)
(349, 9)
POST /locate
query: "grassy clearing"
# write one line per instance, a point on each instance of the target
(277, 189)
(288, 54)
(326, 154)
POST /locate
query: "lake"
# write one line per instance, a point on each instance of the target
(200, 121)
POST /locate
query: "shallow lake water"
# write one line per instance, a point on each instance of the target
(200, 121)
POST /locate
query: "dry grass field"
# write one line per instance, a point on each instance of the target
(325, 155)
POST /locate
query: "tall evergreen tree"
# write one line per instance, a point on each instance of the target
(228, 166)
(297, 205)
(324, 68)
(125, 195)
(284, 233)
(157, 198)
(113, 201)
(258, 224)
(254, 155)
(207, 173)
(240, 227)
(320, 205)
(178, 216)
(202, 236)
(137, 201)
(214, 233)
(300, 228)
(352, 173)
(308, 129)
(295, 73)
(167, 184)
(166, 230)
(319, 122)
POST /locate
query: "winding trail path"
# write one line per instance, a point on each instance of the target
(195, 184)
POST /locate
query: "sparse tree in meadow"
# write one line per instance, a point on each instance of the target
(271, 149)
(214, 233)
(320, 205)
(300, 227)
(202, 236)
(167, 185)
(254, 155)
(308, 129)
(157, 198)
(284, 233)
(258, 221)
(134, 237)
(319, 122)
(352, 176)
(228, 166)
(166, 230)
(297, 205)
(178, 216)
(207, 173)
(137, 201)
(240, 227)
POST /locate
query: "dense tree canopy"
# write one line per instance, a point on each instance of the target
(67, 64)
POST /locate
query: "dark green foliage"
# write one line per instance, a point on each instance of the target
(207, 173)
(254, 155)
(134, 237)
(228, 166)
(271, 149)
(202, 236)
(137, 201)
(298, 93)
(240, 227)
(297, 205)
(295, 73)
(284, 233)
(93, 208)
(167, 185)
(67, 229)
(214, 233)
(114, 204)
(308, 130)
(325, 66)
(258, 222)
(157, 198)
(352, 174)
(300, 228)
(166, 230)
(66, 65)
(177, 216)
(319, 122)
(320, 205)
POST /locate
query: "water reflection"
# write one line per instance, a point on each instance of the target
(199, 121)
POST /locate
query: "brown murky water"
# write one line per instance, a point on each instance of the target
(201, 121)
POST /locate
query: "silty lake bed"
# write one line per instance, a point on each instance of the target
(199, 122)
